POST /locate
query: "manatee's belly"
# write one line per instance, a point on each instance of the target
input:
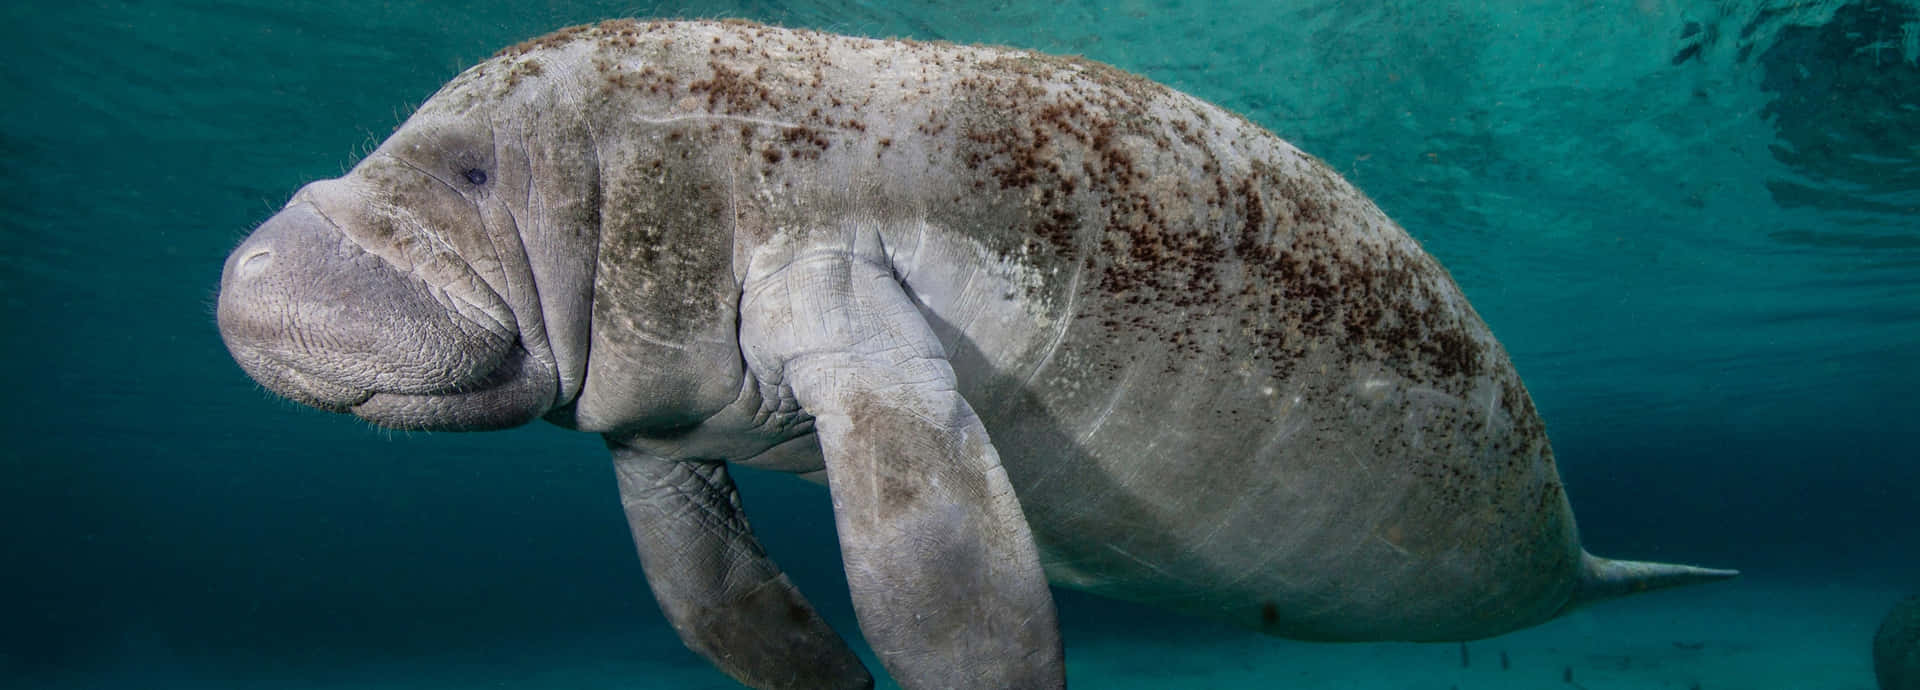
(1345, 502)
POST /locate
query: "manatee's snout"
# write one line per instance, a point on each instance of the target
(313, 316)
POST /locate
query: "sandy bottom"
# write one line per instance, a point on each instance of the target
(1751, 634)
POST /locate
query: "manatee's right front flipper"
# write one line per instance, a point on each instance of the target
(943, 568)
(728, 601)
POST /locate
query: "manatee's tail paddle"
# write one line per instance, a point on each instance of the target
(1605, 578)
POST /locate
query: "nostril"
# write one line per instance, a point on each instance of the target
(253, 263)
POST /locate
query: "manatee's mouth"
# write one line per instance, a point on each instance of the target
(319, 394)
(304, 378)
(283, 376)
(517, 390)
(501, 375)
(514, 393)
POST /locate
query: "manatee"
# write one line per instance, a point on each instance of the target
(1030, 319)
(1896, 647)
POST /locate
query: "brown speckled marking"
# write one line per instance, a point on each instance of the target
(1209, 245)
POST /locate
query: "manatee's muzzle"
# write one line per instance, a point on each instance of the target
(311, 315)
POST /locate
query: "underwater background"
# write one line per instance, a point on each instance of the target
(1694, 225)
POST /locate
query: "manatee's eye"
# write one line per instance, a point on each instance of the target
(476, 176)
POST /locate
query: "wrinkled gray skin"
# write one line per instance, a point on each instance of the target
(1029, 318)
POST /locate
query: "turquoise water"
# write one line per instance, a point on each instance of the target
(1694, 225)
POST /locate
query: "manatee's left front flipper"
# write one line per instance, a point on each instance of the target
(943, 569)
(725, 597)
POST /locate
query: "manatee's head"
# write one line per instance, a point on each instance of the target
(404, 292)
